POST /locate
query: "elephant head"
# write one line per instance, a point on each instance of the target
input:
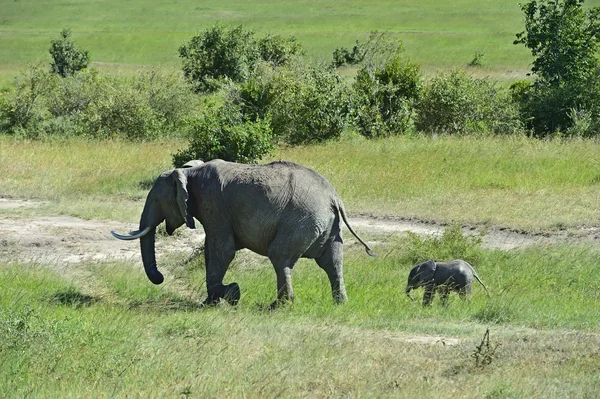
(421, 276)
(166, 201)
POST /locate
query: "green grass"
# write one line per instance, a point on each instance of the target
(126, 36)
(135, 339)
(512, 182)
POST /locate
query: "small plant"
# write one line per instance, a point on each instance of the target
(485, 352)
(477, 60)
(66, 58)
(452, 244)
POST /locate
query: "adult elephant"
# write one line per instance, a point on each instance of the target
(280, 210)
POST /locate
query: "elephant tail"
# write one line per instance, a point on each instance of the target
(481, 282)
(340, 206)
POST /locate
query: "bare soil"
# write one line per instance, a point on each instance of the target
(66, 239)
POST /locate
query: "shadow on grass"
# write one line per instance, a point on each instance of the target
(72, 297)
(167, 304)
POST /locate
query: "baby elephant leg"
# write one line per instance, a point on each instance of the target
(429, 293)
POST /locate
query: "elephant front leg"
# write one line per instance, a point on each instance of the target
(217, 261)
(429, 293)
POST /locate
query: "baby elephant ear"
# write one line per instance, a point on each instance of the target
(427, 270)
(182, 197)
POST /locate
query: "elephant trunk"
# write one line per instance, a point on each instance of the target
(149, 257)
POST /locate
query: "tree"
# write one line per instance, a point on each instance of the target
(66, 58)
(563, 38)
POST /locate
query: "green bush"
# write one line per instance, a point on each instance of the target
(384, 98)
(218, 54)
(310, 104)
(452, 244)
(66, 58)
(305, 103)
(458, 103)
(279, 50)
(566, 66)
(86, 104)
(223, 133)
(23, 111)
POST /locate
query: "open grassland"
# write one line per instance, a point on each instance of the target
(110, 333)
(511, 182)
(100, 329)
(126, 36)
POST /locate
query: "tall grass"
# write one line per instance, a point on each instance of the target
(508, 181)
(137, 339)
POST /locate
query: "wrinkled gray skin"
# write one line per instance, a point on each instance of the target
(444, 277)
(281, 210)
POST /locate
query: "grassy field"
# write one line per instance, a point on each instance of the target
(126, 36)
(510, 182)
(113, 334)
(100, 329)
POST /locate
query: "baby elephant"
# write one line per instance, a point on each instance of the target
(456, 275)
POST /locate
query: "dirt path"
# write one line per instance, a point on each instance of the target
(65, 239)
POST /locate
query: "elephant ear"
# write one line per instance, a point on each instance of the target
(427, 270)
(182, 197)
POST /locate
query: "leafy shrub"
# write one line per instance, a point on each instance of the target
(279, 50)
(377, 50)
(546, 109)
(222, 132)
(310, 103)
(86, 104)
(458, 103)
(121, 111)
(217, 54)
(385, 96)
(66, 58)
(23, 111)
(305, 103)
(566, 66)
(342, 56)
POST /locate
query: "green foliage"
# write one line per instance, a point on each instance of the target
(385, 96)
(216, 54)
(477, 60)
(220, 54)
(66, 58)
(458, 103)
(452, 244)
(23, 110)
(377, 50)
(279, 50)
(222, 132)
(311, 104)
(306, 103)
(563, 38)
(87, 104)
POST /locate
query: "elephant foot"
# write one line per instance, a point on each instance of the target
(279, 303)
(232, 294)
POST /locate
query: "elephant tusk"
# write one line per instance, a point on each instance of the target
(132, 234)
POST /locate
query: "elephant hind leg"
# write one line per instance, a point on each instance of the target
(332, 262)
